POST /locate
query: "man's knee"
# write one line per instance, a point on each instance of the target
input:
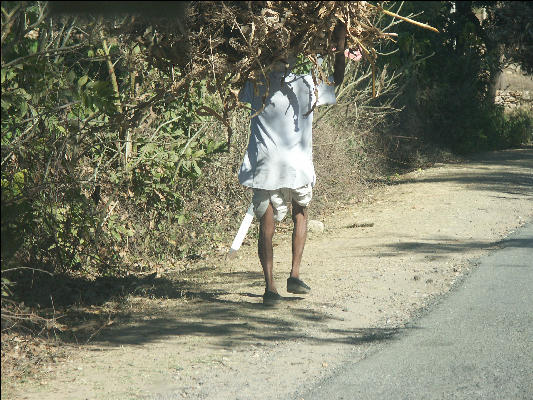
(266, 223)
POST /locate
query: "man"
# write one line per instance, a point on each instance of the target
(278, 163)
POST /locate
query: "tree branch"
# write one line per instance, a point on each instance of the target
(42, 53)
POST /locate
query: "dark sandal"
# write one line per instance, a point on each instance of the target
(295, 285)
(271, 298)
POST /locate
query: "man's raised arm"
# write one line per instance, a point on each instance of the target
(339, 38)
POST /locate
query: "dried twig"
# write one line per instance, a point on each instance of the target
(420, 24)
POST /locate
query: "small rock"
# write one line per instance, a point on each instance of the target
(315, 226)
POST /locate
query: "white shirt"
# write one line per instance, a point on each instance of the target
(280, 152)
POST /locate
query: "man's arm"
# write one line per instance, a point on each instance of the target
(339, 38)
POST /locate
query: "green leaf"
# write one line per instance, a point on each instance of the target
(18, 177)
(23, 108)
(25, 95)
(6, 283)
(33, 47)
(196, 168)
(83, 80)
(71, 76)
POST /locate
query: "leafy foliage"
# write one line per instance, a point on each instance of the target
(91, 143)
(508, 24)
(448, 79)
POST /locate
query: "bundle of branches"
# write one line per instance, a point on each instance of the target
(226, 43)
(241, 41)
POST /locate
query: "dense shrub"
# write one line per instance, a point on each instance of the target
(518, 128)
(448, 80)
(97, 155)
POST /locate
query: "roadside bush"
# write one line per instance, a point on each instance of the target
(449, 80)
(98, 157)
(518, 127)
(467, 123)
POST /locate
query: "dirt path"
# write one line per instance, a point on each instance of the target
(376, 265)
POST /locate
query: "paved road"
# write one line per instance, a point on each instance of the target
(476, 344)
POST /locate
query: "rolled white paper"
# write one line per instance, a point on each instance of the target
(243, 230)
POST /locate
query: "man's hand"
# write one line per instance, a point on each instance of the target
(354, 55)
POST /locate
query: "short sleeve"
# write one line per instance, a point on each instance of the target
(326, 93)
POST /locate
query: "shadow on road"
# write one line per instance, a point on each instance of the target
(517, 180)
(202, 308)
(443, 247)
(237, 325)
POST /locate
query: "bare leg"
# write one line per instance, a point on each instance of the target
(264, 247)
(299, 234)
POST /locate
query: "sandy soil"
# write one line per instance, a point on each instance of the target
(376, 265)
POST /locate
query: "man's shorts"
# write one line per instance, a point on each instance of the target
(280, 199)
